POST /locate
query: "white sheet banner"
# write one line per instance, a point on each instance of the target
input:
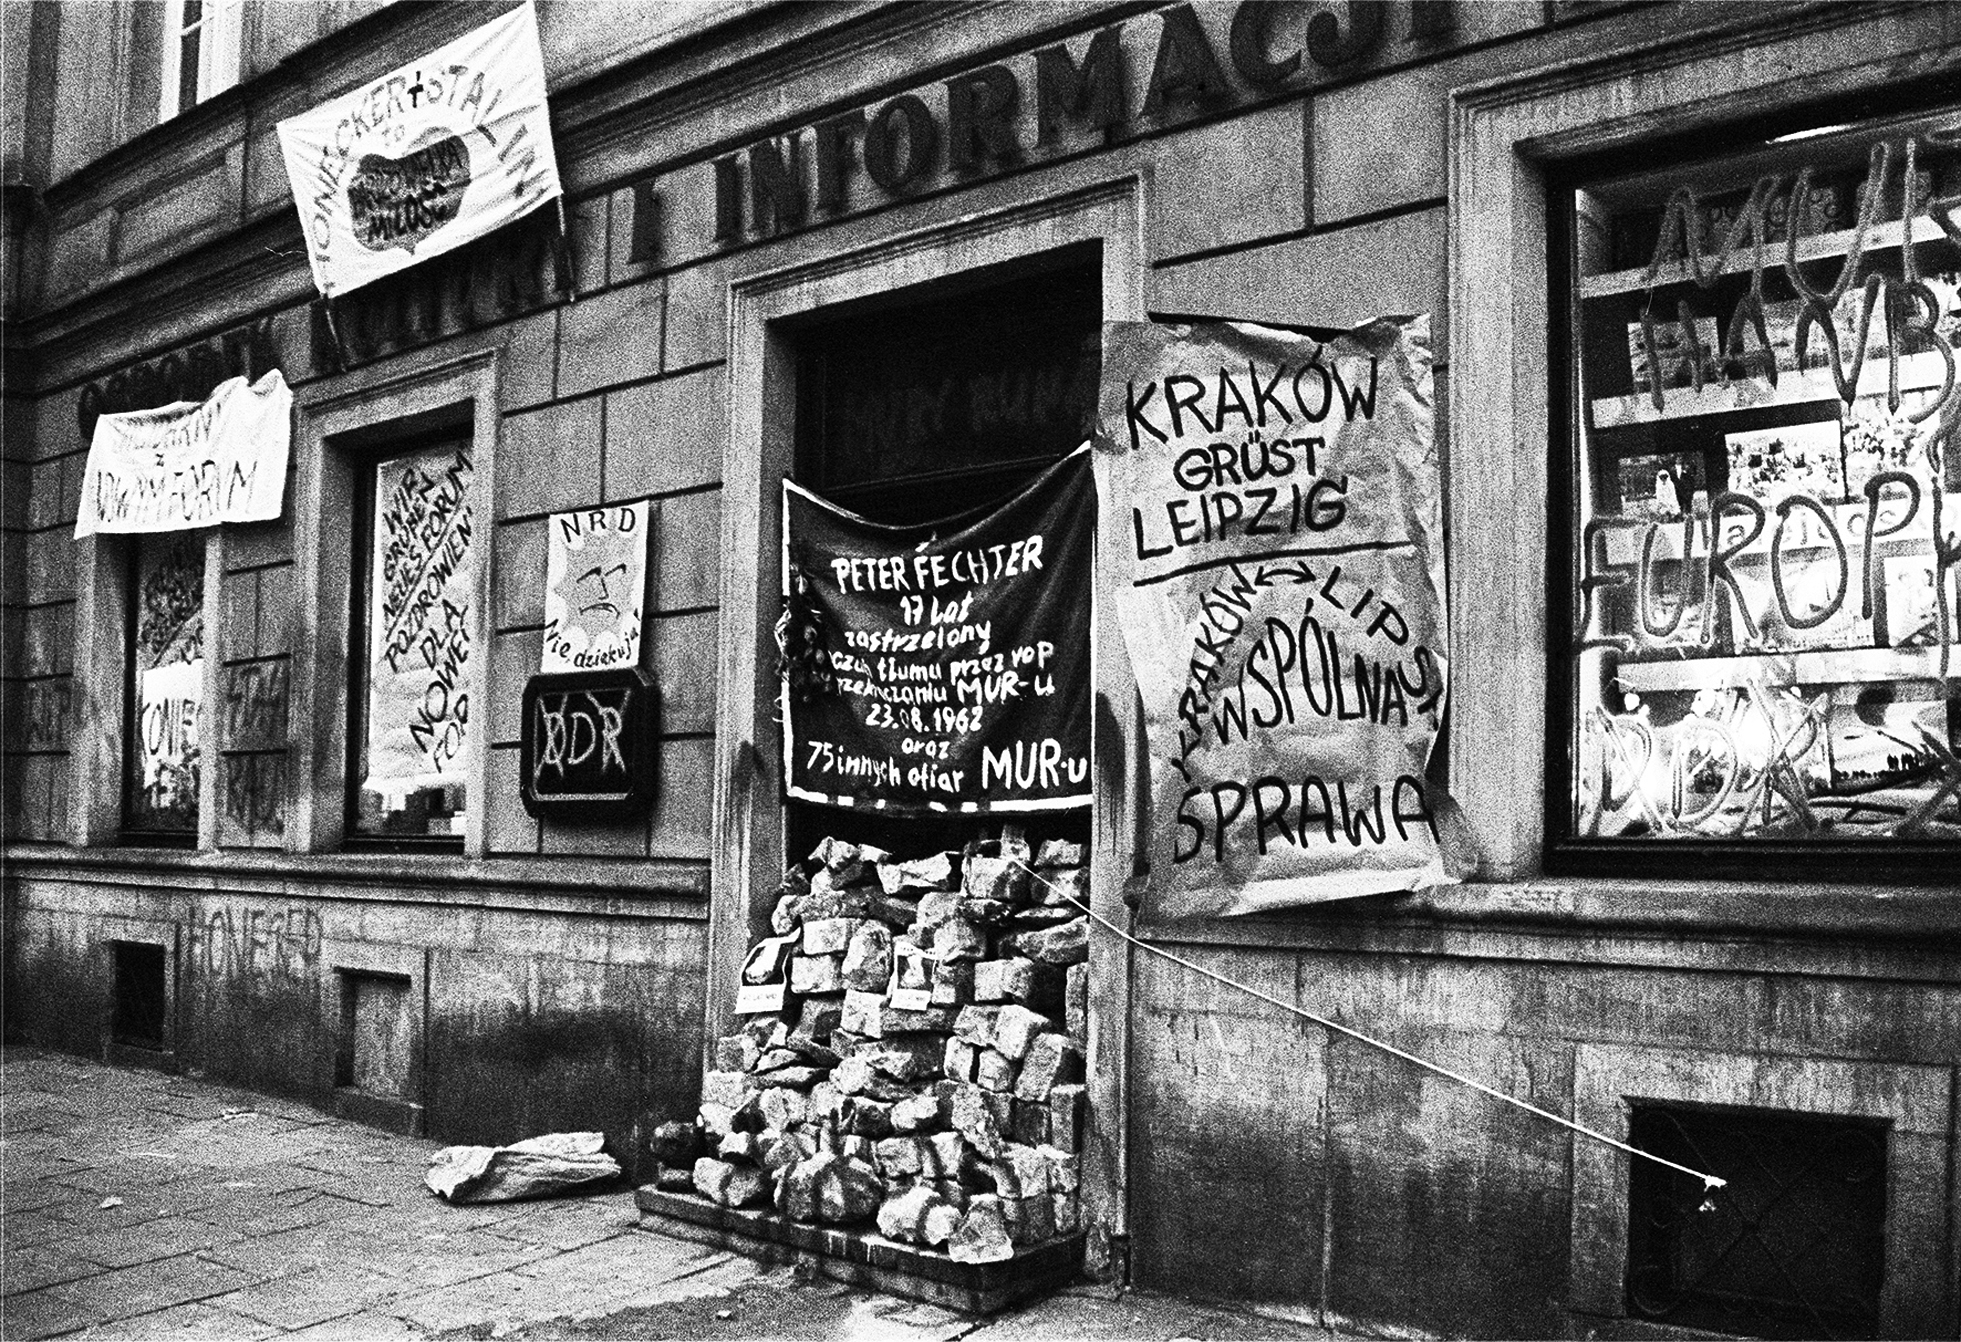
(1276, 502)
(190, 464)
(422, 160)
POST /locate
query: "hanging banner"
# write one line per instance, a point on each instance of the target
(595, 587)
(190, 463)
(445, 149)
(950, 661)
(419, 623)
(1275, 503)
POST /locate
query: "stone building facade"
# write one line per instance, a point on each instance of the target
(754, 188)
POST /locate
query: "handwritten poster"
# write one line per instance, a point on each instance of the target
(595, 587)
(419, 622)
(957, 653)
(442, 150)
(1281, 596)
(190, 464)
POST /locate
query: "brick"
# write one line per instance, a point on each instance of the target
(1052, 1060)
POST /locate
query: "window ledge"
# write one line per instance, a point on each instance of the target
(651, 888)
(1785, 911)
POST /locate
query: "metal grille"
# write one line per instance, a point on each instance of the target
(1793, 1247)
(141, 1001)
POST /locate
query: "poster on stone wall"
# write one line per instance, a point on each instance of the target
(419, 712)
(1275, 499)
(190, 464)
(438, 152)
(595, 587)
(948, 665)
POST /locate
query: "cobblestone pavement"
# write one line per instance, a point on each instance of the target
(140, 1205)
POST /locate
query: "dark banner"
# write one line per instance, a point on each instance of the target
(942, 667)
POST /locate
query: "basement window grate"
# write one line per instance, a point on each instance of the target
(141, 1001)
(1793, 1247)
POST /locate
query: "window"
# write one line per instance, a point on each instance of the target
(411, 679)
(165, 691)
(1765, 650)
(200, 51)
(1793, 1246)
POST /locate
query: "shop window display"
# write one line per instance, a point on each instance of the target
(1767, 495)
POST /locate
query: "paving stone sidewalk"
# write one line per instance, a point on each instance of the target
(140, 1205)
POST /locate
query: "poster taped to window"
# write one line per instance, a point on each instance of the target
(1275, 502)
(948, 663)
(419, 622)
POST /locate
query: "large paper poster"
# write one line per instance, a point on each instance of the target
(419, 625)
(954, 673)
(595, 587)
(190, 463)
(1281, 596)
(445, 149)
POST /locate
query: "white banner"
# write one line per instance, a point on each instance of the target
(1281, 596)
(190, 464)
(595, 587)
(443, 150)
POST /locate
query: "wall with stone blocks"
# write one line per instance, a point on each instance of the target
(525, 1019)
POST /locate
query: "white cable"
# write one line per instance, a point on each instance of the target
(1709, 1181)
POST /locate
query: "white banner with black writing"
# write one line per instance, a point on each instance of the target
(190, 464)
(443, 150)
(1281, 595)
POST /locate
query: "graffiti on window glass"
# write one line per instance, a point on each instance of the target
(168, 657)
(1767, 612)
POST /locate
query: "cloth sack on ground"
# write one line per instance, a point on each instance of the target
(534, 1168)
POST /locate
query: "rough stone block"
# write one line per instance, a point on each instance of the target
(1065, 944)
(994, 1071)
(901, 1157)
(919, 1049)
(953, 983)
(797, 1076)
(960, 1060)
(785, 1149)
(1030, 1220)
(920, 874)
(1059, 853)
(861, 1117)
(898, 1064)
(856, 1076)
(867, 965)
(1068, 1213)
(974, 1117)
(948, 1158)
(975, 1024)
(730, 1185)
(816, 973)
(983, 1234)
(782, 1107)
(729, 1089)
(1016, 979)
(675, 1144)
(829, 1189)
(1015, 1029)
(741, 1148)
(1066, 1104)
(827, 936)
(1065, 1169)
(1020, 1172)
(817, 1018)
(960, 938)
(919, 1216)
(736, 1053)
(933, 1020)
(919, 1113)
(999, 878)
(675, 1178)
(1053, 1060)
(1031, 1122)
(1064, 889)
(860, 1014)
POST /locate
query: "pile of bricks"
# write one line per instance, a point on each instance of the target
(926, 1071)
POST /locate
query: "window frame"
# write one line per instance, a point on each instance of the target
(344, 424)
(1506, 138)
(1904, 861)
(220, 28)
(129, 833)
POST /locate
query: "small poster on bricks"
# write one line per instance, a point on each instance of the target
(1276, 548)
(941, 667)
(595, 587)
